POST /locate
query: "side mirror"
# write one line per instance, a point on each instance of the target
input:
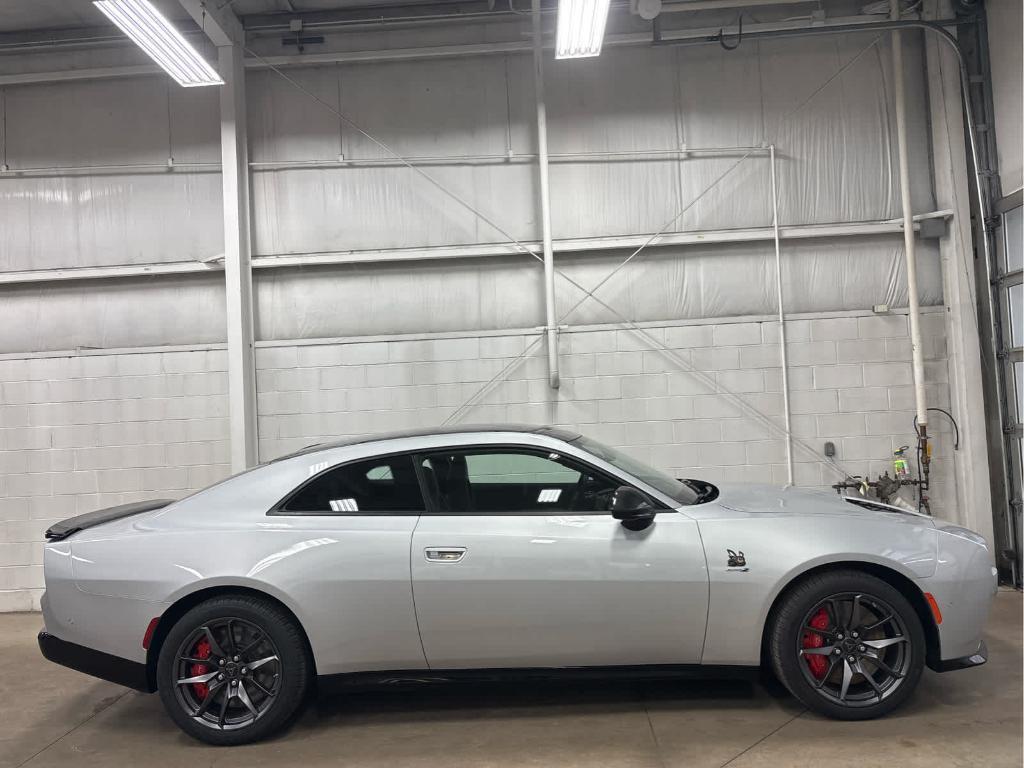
(632, 508)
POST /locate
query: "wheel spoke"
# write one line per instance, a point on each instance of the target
(854, 611)
(194, 660)
(833, 610)
(231, 638)
(243, 696)
(256, 641)
(870, 679)
(809, 628)
(831, 666)
(877, 624)
(210, 695)
(847, 677)
(204, 678)
(224, 708)
(823, 651)
(214, 645)
(879, 644)
(260, 662)
(260, 687)
(877, 661)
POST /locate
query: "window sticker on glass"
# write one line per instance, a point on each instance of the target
(549, 495)
(344, 505)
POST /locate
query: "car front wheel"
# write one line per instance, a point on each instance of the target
(848, 645)
(233, 670)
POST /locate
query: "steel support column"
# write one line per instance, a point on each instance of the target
(237, 260)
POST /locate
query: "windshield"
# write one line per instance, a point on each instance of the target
(679, 491)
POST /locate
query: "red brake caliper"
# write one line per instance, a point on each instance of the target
(202, 652)
(817, 663)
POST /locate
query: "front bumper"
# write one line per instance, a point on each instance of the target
(976, 659)
(132, 674)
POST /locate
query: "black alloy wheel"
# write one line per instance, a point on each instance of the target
(233, 670)
(847, 644)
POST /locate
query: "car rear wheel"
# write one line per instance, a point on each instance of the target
(233, 670)
(848, 645)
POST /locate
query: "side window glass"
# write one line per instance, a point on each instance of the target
(385, 484)
(509, 481)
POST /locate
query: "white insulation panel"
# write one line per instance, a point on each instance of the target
(826, 104)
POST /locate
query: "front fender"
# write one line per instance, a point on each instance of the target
(778, 550)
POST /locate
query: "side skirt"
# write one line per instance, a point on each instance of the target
(416, 677)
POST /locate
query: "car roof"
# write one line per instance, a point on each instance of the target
(558, 433)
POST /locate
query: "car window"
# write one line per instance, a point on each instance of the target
(681, 491)
(386, 484)
(486, 481)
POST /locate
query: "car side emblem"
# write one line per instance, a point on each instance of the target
(736, 559)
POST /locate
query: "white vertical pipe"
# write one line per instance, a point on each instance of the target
(908, 223)
(550, 322)
(237, 263)
(782, 321)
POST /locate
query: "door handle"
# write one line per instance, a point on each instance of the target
(444, 554)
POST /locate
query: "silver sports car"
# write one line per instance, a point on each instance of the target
(502, 551)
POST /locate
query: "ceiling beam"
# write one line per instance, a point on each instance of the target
(217, 20)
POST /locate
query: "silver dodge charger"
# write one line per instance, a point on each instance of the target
(502, 551)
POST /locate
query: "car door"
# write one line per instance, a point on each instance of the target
(518, 563)
(341, 550)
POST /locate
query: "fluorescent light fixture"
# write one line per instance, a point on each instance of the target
(149, 30)
(580, 28)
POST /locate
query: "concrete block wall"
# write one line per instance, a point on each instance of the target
(83, 432)
(850, 381)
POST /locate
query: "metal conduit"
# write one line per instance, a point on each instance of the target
(783, 361)
(550, 323)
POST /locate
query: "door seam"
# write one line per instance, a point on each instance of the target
(412, 593)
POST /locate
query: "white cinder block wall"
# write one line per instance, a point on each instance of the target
(850, 383)
(88, 431)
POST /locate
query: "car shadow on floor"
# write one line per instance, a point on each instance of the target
(488, 698)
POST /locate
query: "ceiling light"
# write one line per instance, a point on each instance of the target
(580, 28)
(147, 27)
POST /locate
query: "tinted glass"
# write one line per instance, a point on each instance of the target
(494, 481)
(679, 491)
(386, 484)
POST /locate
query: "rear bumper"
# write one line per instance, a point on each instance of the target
(976, 659)
(131, 674)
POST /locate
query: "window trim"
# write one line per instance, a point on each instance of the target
(434, 510)
(278, 510)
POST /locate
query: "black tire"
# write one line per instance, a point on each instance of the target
(250, 704)
(831, 693)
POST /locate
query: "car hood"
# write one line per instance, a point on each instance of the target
(750, 497)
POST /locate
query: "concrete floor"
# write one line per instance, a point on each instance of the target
(50, 716)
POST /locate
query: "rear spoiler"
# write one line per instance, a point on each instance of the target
(65, 528)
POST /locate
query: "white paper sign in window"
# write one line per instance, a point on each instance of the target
(344, 505)
(549, 495)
